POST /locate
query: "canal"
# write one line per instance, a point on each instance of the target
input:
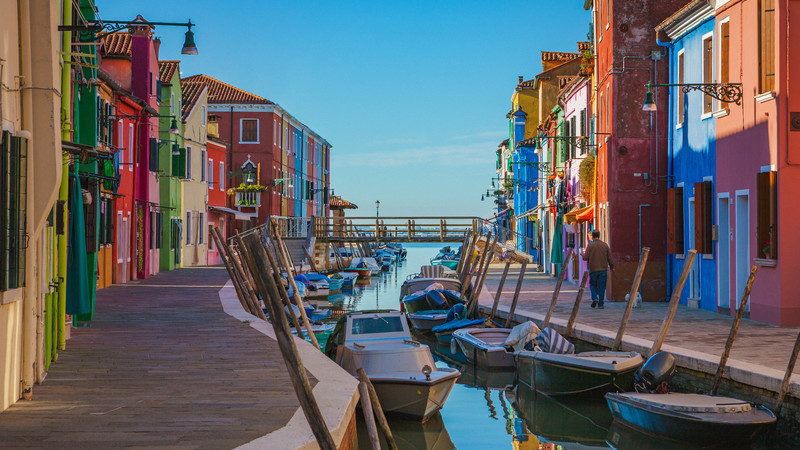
(484, 411)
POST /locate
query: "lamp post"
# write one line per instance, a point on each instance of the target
(724, 92)
(377, 208)
(101, 28)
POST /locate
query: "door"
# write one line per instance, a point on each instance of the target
(742, 241)
(126, 248)
(724, 252)
(694, 273)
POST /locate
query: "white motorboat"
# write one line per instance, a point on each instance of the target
(426, 320)
(403, 370)
(484, 347)
(371, 263)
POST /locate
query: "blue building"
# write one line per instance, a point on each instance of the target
(689, 34)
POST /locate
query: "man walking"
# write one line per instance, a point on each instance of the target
(599, 257)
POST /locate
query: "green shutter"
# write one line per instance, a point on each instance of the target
(153, 154)
(178, 161)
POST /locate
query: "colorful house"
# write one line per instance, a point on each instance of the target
(218, 213)
(690, 34)
(171, 154)
(194, 185)
(757, 157)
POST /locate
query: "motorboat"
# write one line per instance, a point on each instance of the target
(427, 320)
(485, 347)
(359, 263)
(697, 418)
(403, 371)
(432, 299)
(444, 332)
(318, 282)
(414, 285)
(446, 257)
(347, 279)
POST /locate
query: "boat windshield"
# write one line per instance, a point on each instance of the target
(377, 324)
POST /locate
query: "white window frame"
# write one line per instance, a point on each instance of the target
(681, 79)
(120, 238)
(203, 164)
(172, 103)
(130, 147)
(210, 173)
(202, 115)
(188, 162)
(258, 131)
(221, 175)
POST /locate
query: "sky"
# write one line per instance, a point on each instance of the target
(412, 95)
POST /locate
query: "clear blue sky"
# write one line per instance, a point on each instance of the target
(411, 94)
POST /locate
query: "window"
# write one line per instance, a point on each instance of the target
(130, 147)
(567, 147)
(600, 18)
(203, 115)
(602, 112)
(106, 223)
(274, 132)
(178, 161)
(120, 239)
(724, 51)
(608, 109)
(172, 104)
(200, 228)
(120, 136)
(681, 96)
(608, 13)
(188, 227)
(708, 72)
(221, 181)
(766, 46)
(574, 141)
(703, 222)
(675, 220)
(211, 238)
(13, 211)
(188, 162)
(768, 215)
(210, 173)
(583, 132)
(202, 165)
(249, 131)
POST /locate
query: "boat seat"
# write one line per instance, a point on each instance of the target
(691, 403)
(432, 271)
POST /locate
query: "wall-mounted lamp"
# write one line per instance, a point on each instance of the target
(281, 180)
(724, 92)
(102, 28)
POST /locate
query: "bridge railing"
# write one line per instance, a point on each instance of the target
(394, 228)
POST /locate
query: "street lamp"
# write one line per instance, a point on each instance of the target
(724, 92)
(101, 28)
(377, 208)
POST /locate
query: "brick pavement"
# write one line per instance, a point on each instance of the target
(694, 329)
(160, 366)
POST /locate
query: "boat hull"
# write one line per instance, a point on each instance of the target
(712, 428)
(538, 370)
(482, 351)
(449, 263)
(414, 398)
(426, 322)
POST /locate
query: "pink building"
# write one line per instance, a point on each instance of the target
(758, 157)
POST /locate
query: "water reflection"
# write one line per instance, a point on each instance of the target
(412, 434)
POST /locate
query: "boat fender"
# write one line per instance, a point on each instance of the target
(655, 373)
(426, 369)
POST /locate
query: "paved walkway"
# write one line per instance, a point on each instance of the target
(693, 329)
(160, 366)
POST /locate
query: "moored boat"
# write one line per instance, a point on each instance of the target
(402, 370)
(484, 347)
(426, 320)
(347, 279)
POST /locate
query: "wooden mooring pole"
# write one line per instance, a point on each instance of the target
(234, 278)
(673, 303)
(255, 255)
(516, 293)
(560, 281)
(369, 416)
(276, 273)
(631, 298)
(499, 290)
(476, 292)
(577, 304)
(787, 377)
(377, 409)
(734, 329)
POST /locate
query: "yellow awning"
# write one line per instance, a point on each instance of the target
(579, 215)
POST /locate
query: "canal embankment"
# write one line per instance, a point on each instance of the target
(697, 338)
(167, 363)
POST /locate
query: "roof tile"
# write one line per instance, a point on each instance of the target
(219, 92)
(167, 70)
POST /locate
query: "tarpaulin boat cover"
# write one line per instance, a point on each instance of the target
(435, 299)
(521, 334)
(457, 312)
(551, 342)
(457, 324)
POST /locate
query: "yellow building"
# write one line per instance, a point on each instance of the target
(194, 187)
(30, 115)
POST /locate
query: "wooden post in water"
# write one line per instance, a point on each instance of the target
(632, 297)
(577, 305)
(369, 416)
(462, 258)
(560, 281)
(483, 258)
(499, 290)
(516, 293)
(378, 410)
(256, 257)
(787, 377)
(734, 329)
(476, 292)
(311, 261)
(234, 279)
(297, 299)
(249, 289)
(466, 265)
(276, 272)
(673, 303)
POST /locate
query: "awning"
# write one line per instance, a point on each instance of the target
(237, 214)
(532, 210)
(579, 215)
(499, 214)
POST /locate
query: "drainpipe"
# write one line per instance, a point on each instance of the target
(66, 100)
(643, 205)
(670, 178)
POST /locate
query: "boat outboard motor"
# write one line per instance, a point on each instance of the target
(655, 373)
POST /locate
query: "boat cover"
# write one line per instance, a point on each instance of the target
(551, 342)
(521, 334)
(435, 299)
(690, 403)
(457, 312)
(457, 324)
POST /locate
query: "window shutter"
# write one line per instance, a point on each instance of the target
(90, 214)
(675, 220)
(767, 215)
(724, 58)
(153, 154)
(179, 163)
(703, 217)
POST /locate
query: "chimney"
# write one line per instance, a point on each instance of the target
(520, 79)
(156, 45)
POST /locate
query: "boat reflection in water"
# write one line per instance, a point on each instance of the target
(568, 422)
(411, 434)
(623, 437)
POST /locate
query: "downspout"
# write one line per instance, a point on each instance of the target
(670, 177)
(63, 191)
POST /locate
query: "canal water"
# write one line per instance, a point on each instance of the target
(484, 411)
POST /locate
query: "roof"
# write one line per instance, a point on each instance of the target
(504, 143)
(219, 92)
(190, 92)
(686, 18)
(117, 44)
(167, 70)
(340, 203)
(526, 84)
(559, 56)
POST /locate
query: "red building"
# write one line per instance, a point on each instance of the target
(284, 163)
(632, 144)
(219, 215)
